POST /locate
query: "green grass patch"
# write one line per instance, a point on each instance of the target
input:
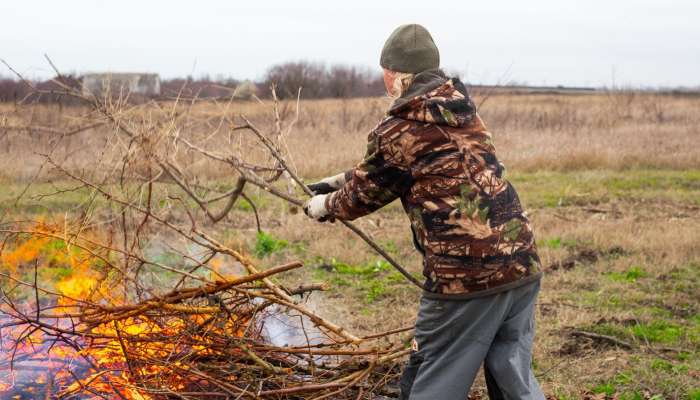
(607, 298)
(666, 366)
(635, 395)
(607, 388)
(266, 244)
(629, 384)
(375, 288)
(609, 329)
(260, 200)
(694, 394)
(369, 269)
(631, 275)
(554, 189)
(658, 331)
(655, 331)
(371, 281)
(557, 243)
(561, 394)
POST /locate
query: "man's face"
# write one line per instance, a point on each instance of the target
(389, 80)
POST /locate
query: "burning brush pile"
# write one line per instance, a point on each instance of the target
(83, 338)
(88, 312)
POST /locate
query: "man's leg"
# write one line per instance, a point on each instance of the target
(453, 338)
(495, 392)
(409, 374)
(510, 357)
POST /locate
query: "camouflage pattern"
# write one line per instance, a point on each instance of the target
(434, 153)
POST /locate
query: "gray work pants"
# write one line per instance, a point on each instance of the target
(454, 337)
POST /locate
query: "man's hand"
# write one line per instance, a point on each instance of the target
(328, 185)
(315, 208)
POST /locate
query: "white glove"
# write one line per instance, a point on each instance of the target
(328, 185)
(315, 207)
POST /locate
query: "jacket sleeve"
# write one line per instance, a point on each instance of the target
(378, 180)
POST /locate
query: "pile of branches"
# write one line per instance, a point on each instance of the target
(197, 342)
(144, 328)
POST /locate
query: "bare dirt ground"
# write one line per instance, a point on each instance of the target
(611, 181)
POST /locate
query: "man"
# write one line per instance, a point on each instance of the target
(482, 271)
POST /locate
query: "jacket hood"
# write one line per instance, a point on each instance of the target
(434, 98)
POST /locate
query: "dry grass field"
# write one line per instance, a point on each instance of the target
(611, 181)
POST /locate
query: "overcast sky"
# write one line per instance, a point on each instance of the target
(552, 42)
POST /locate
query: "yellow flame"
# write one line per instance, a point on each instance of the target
(78, 276)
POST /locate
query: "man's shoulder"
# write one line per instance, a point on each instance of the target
(390, 125)
(408, 140)
(395, 129)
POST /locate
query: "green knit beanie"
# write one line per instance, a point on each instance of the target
(411, 49)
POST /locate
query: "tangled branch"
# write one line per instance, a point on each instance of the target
(93, 300)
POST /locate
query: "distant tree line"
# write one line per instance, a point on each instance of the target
(13, 90)
(316, 80)
(319, 81)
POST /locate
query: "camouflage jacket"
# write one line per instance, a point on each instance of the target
(434, 153)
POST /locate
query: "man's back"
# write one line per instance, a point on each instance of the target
(434, 152)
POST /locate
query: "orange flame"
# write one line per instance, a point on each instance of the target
(79, 275)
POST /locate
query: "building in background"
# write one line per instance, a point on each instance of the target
(121, 84)
(245, 90)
